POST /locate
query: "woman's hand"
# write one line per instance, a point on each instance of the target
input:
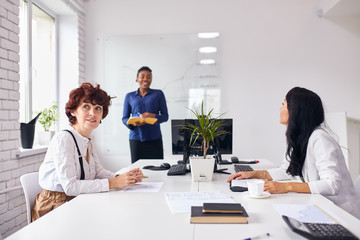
(275, 187)
(126, 179)
(242, 175)
(285, 187)
(138, 175)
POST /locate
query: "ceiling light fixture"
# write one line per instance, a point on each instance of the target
(208, 35)
(207, 49)
(207, 61)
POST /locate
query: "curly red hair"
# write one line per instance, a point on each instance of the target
(87, 93)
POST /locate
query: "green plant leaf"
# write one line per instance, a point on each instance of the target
(207, 128)
(48, 117)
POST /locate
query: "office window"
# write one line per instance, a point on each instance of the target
(37, 61)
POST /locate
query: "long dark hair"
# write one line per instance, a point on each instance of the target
(306, 113)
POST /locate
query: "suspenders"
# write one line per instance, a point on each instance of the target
(82, 176)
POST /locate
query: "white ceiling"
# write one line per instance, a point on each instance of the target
(342, 8)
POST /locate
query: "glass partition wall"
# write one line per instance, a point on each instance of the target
(186, 67)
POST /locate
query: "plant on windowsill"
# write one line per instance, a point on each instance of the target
(206, 131)
(47, 118)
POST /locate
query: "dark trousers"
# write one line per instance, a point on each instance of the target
(146, 150)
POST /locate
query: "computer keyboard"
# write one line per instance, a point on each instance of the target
(243, 168)
(329, 231)
(177, 169)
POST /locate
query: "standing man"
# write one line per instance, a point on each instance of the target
(145, 139)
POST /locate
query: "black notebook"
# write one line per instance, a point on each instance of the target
(222, 208)
(198, 216)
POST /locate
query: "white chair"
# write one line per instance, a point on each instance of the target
(31, 187)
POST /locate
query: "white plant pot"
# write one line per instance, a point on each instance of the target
(202, 169)
(45, 137)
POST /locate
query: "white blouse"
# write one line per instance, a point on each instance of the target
(61, 170)
(325, 172)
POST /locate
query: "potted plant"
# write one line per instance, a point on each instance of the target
(206, 130)
(47, 118)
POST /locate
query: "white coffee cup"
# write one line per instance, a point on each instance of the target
(255, 188)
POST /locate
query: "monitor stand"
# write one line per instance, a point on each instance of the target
(221, 170)
(216, 170)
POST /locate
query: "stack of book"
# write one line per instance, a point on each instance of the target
(219, 213)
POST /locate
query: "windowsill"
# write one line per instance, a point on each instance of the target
(36, 150)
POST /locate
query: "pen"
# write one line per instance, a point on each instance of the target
(144, 176)
(258, 236)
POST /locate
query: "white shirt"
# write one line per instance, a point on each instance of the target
(60, 170)
(325, 172)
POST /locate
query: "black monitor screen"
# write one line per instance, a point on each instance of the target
(181, 138)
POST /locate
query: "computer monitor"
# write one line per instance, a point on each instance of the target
(181, 138)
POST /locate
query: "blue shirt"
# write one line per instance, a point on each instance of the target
(153, 102)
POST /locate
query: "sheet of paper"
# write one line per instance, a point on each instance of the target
(144, 187)
(304, 213)
(181, 202)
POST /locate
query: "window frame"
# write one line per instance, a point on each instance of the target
(28, 111)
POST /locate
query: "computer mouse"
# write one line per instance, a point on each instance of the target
(165, 165)
(148, 167)
(234, 160)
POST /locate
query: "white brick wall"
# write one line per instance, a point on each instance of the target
(12, 203)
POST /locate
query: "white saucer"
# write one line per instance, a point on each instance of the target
(264, 195)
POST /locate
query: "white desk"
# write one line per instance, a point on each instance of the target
(134, 215)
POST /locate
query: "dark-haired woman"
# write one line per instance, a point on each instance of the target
(71, 165)
(313, 157)
(145, 139)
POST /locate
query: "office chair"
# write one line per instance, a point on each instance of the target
(31, 187)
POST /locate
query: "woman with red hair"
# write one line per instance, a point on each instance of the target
(71, 165)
